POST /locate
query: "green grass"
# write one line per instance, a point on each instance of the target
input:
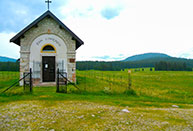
(142, 69)
(7, 78)
(99, 104)
(156, 85)
(156, 89)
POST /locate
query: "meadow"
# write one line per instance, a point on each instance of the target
(157, 100)
(7, 78)
(169, 86)
(155, 85)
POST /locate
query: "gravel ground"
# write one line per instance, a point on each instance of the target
(79, 115)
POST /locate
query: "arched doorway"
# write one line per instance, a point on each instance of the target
(48, 63)
(47, 54)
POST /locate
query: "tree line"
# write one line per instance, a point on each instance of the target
(167, 64)
(172, 66)
(9, 66)
(119, 65)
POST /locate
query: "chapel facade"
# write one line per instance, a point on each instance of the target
(47, 45)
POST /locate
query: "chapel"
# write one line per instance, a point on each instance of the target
(47, 45)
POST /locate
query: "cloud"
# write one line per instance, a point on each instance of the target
(188, 53)
(141, 27)
(112, 27)
(89, 8)
(109, 58)
(8, 49)
(102, 57)
(16, 14)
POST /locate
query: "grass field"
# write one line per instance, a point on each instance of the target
(156, 85)
(158, 101)
(7, 78)
(143, 69)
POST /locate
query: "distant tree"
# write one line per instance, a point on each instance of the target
(171, 66)
(9, 66)
(157, 63)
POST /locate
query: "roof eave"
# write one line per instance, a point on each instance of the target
(16, 38)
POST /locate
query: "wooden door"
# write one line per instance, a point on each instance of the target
(48, 68)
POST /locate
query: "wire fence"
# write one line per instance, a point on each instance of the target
(103, 81)
(159, 85)
(7, 78)
(89, 81)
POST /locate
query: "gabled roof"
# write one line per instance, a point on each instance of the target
(16, 38)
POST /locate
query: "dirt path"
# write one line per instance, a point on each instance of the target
(79, 115)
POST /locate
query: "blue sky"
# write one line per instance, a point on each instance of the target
(110, 13)
(110, 29)
(16, 14)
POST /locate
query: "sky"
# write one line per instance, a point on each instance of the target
(111, 29)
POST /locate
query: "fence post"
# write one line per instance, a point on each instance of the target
(30, 77)
(129, 79)
(85, 89)
(65, 91)
(24, 82)
(57, 81)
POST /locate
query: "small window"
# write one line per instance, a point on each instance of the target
(48, 49)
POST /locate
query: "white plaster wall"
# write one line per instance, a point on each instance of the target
(39, 42)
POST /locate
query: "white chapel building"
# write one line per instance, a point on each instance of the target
(45, 46)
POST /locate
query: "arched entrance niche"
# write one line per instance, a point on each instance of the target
(48, 52)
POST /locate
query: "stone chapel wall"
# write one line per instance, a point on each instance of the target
(47, 26)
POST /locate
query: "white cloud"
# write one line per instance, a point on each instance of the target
(6, 48)
(142, 26)
(88, 8)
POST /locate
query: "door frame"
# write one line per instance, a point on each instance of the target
(42, 68)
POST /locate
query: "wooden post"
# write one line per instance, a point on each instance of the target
(30, 77)
(85, 81)
(65, 91)
(24, 82)
(57, 81)
(129, 79)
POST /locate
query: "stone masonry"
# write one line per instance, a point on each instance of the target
(47, 26)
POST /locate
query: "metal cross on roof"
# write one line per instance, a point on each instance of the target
(48, 2)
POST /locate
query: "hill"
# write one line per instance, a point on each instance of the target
(138, 61)
(146, 56)
(7, 59)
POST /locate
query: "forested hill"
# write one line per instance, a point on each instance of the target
(164, 62)
(176, 63)
(7, 59)
(146, 56)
